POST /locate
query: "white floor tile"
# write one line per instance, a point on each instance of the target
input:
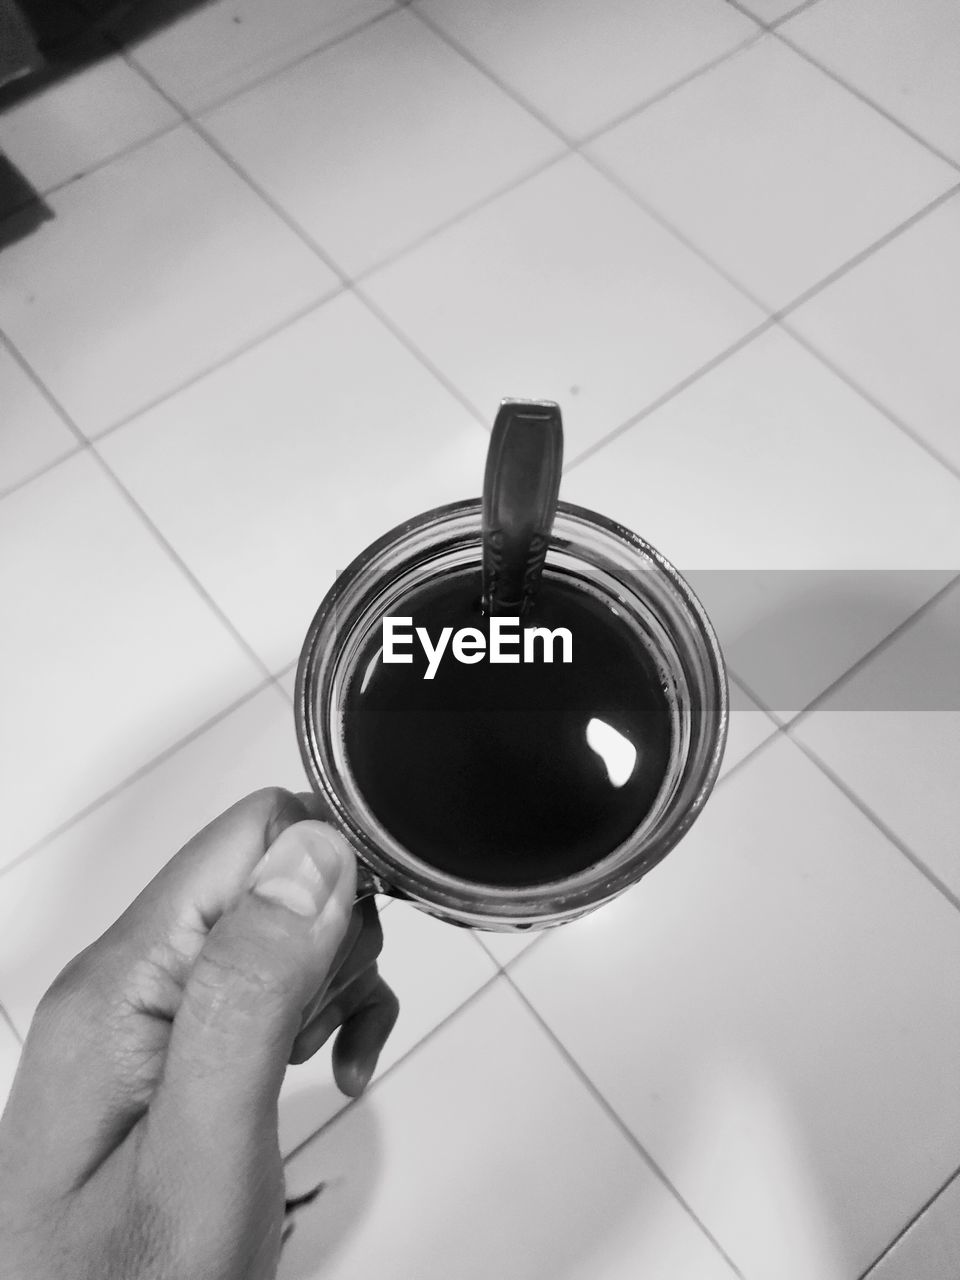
(107, 653)
(773, 170)
(484, 1155)
(791, 1051)
(583, 66)
(433, 968)
(375, 142)
(893, 325)
(563, 289)
(9, 1057)
(76, 123)
(32, 434)
(57, 901)
(772, 484)
(153, 267)
(215, 49)
(892, 732)
(270, 475)
(902, 56)
(930, 1250)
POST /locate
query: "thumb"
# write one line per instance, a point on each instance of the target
(261, 963)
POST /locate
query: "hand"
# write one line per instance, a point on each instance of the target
(140, 1138)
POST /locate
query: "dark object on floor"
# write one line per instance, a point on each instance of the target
(294, 1203)
(21, 211)
(19, 54)
(308, 1197)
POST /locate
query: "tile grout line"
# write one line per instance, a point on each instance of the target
(505, 189)
(291, 223)
(862, 97)
(197, 128)
(914, 859)
(884, 643)
(773, 314)
(654, 214)
(781, 726)
(574, 148)
(881, 242)
(137, 509)
(42, 470)
(215, 103)
(39, 197)
(893, 418)
(502, 966)
(662, 94)
(865, 658)
(625, 1130)
(404, 1057)
(778, 318)
(27, 369)
(577, 147)
(772, 23)
(344, 287)
(928, 1204)
(270, 678)
(115, 46)
(570, 140)
(235, 353)
(772, 318)
(501, 970)
(148, 767)
(775, 736)
(792, 13)
(784, 730)
(181, 564)
(560, 1048)
(671, 393)
(5, 1018)
(348, 283)
(740, 8)
(751, 692)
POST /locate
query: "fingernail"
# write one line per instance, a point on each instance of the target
(362, 1078)
(301, 868)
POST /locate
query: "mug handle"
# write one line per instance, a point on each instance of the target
(368, 884)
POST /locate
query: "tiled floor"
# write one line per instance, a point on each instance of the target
(298, 253)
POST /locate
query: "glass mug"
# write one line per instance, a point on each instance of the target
(588, 551)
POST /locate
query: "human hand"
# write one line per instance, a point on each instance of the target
(140, 1138)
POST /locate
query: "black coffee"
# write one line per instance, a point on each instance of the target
(510, 774)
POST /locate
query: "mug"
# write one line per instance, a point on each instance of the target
(586, 549)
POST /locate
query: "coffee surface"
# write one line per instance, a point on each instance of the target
(510, 774)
